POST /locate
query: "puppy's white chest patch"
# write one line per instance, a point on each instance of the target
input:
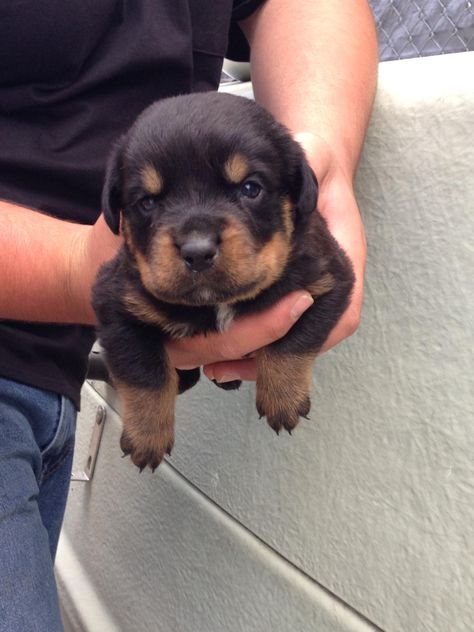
(224, 316)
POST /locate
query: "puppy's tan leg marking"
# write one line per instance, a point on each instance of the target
(148, 421)
(283, 387)
(323, 285)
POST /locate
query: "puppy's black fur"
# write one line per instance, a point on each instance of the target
(216, 203)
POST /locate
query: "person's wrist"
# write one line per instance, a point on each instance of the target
(328, 160)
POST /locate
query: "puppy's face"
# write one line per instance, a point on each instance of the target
(209, 192)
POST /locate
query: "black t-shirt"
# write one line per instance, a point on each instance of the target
(74, 74)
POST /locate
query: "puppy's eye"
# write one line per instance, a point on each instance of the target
(250, 189)
(147, 203)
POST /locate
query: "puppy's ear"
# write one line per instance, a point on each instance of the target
(112, 189)
(305, 189)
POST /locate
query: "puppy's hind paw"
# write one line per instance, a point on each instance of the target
(233, 385)
(147, 452)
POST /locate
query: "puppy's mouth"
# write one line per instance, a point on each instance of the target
(202, 290)
(233, 269)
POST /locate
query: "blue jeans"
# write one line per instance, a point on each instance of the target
(36, 447)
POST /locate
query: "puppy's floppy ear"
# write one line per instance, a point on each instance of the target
(112, 189)
(305, 189)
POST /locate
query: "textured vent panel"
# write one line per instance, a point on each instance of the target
(418, 28)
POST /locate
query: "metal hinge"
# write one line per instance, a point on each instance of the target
(87, 473)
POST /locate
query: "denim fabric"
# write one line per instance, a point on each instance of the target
(36, 447)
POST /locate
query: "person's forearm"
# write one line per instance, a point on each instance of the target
(314, 67)
(45, 269)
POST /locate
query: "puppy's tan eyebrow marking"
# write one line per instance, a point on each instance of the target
(151, 179)
(236, 168)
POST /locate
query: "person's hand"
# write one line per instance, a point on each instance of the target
(225, 355)
(337, 204)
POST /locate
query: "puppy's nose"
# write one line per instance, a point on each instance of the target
(199, 252)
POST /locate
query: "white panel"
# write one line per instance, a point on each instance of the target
(374, 497)
(149, 552)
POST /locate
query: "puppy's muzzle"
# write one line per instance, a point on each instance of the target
(199, 251)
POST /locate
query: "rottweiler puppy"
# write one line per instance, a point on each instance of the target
(217, 207)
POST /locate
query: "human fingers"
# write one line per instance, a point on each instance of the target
(244, 336)
(245, 369)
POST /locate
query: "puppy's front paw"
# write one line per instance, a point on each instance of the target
(283, 386)
(148, 422)
(147, 450)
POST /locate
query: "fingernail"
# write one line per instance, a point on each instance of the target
(227, 377)
(301, 305)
